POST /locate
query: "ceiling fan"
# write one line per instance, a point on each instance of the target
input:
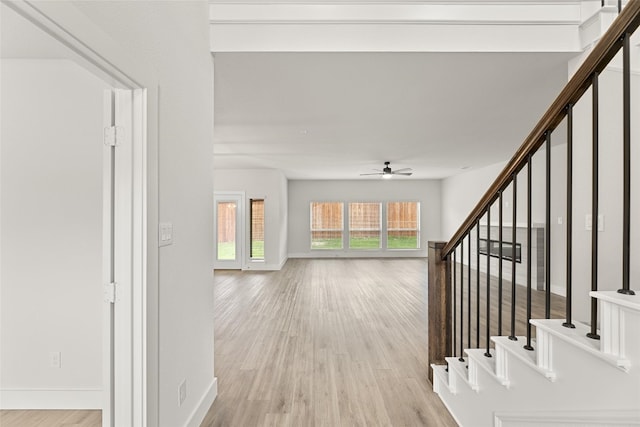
(386, 172)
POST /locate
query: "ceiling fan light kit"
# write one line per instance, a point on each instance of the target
(388, 173)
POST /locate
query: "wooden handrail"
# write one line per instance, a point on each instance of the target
(598, 59)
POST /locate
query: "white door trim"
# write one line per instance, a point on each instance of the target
(131, 207)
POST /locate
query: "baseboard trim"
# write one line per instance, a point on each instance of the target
(587, 418)
(198, 414)
(261, 266)
(90, 398)
(361, 254)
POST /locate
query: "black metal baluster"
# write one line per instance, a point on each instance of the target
(547, 231)
(626, 191)
(528, 345)
(469, 295)
(453, 298)
(488, 319)
(568, 323)
(514, 182)
(478, 284)
(461, 300)
(619, 6)
(594, 205)
(500, 264)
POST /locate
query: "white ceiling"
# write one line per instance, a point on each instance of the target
(336, 115)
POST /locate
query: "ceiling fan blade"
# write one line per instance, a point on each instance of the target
(377, 173)
(403, 173)
(402, 170)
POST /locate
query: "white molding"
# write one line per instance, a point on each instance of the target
(388, 13)
(385, 26)
(387, 22)
(51, 398)
(198, 414)
(405, 2)
(584, 418)
(384, 37)
(373, 254)
(262, 266)
(90, 58)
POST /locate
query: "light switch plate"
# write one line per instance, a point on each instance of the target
(588, 222)
(165, 234)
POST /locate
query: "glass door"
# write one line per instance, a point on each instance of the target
(229, 228)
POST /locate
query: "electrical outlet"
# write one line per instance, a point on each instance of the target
(54, 359)
(182, 392)
(165, 234)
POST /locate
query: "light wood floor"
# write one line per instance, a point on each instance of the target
(324, 343)
(47, 418)
(320, 343)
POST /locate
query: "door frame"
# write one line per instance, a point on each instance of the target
(130, 405)
(239, 198)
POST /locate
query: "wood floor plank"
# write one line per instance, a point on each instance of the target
(327, 342)
(50, 418)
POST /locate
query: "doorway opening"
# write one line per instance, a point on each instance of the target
(229, 220)
(73, 227)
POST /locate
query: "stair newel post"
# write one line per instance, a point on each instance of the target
(500, 263)
(593, 333)
(547, 229)
(528, 345)
(469, 293)
(439, 306)
(514, 210)
(488, 255)
(477, 283)
(569, 287)
(454, 269)
(461, 300)
(626, 187)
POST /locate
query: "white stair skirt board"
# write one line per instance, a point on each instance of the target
(568, 379)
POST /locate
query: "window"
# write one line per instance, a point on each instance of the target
(403, 225)
(364, 225)
(256, 232)
(327, 224)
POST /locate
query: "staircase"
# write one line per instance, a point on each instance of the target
(561, 372)
(552, 384)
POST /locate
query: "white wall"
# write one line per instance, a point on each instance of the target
(461, 193)
(302, 193)
(51, 266)
(271, 185)
(165, 47)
